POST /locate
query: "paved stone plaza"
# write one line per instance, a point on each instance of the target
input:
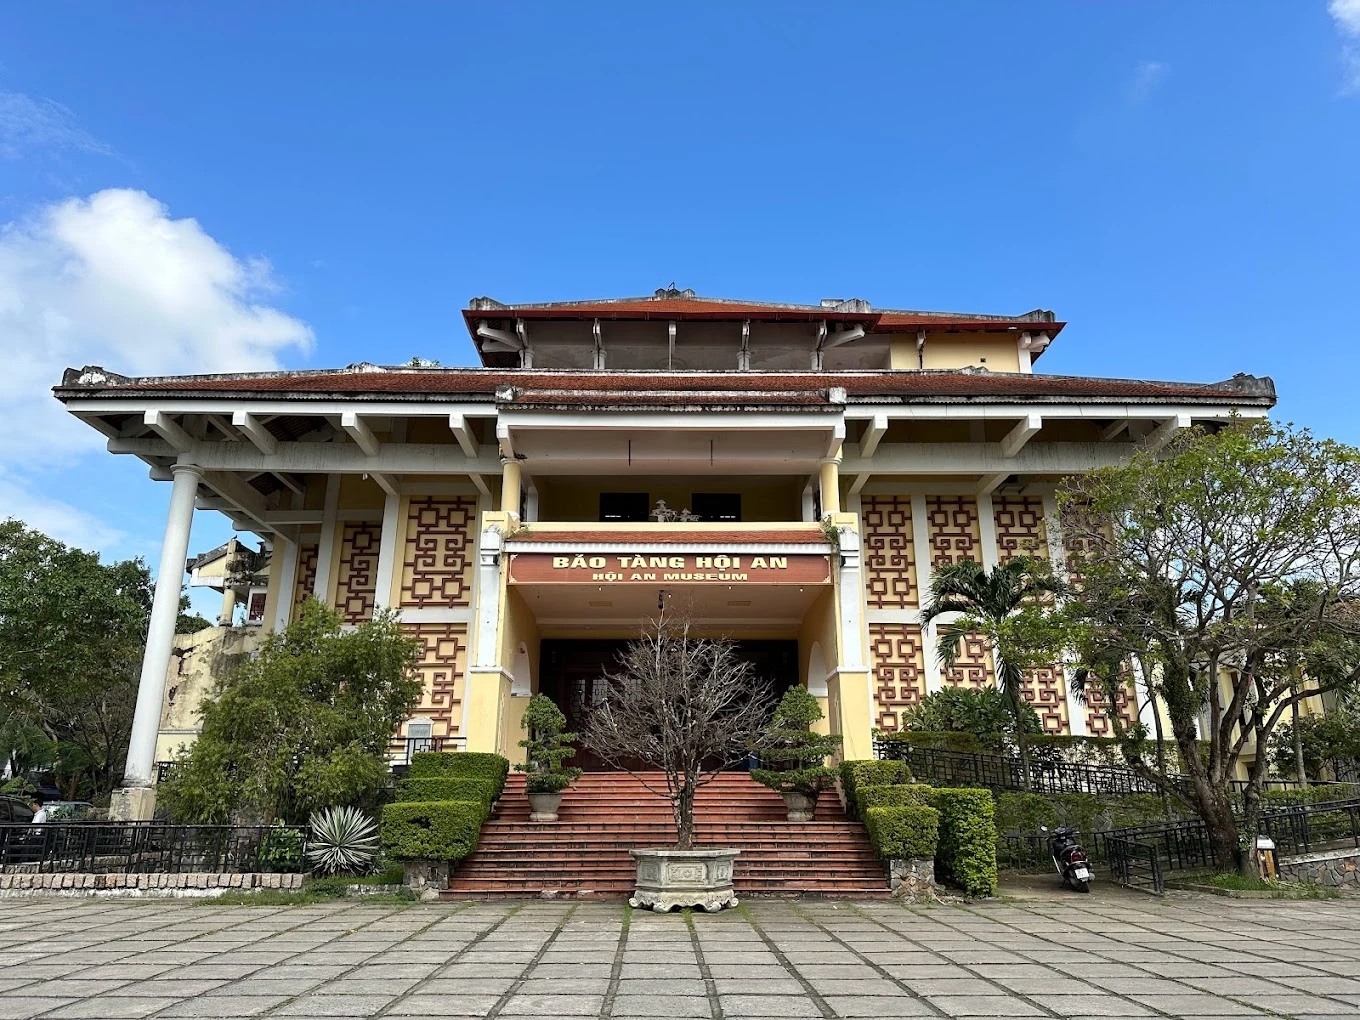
(1098, 956)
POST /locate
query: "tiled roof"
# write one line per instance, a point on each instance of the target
(667, 388)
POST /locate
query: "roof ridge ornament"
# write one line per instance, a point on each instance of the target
(671, 294)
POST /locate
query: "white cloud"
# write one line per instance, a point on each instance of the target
(29, 125)
(60, 520)
(1346, 14)
(1146, 77)
(113, 280)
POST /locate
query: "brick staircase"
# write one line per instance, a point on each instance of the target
(585, 852)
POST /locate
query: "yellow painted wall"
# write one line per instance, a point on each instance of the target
(762, 499)
(521, 628)
(1001, 351)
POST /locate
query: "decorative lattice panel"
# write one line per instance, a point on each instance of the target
(357, 579)
(954, 534)
(889, 556)
(443, 667)
(972, 666)
(899, 671)
(1097, 717)
(437, 567)
(308, 554)
(1045, 689)
(1019, 527)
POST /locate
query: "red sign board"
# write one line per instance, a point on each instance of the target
(668, 568)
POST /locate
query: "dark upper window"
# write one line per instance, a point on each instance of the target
(623, 506)
(716, 506)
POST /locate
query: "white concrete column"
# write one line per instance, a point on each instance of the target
(920, 544)
(387, 552)
(285, 577)
(488, 598)
(325, 550)
(510, 486)
(852, 600)
(160, 635)
(987, 531)
(1057, 558)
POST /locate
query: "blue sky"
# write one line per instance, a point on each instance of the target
(1179, 181)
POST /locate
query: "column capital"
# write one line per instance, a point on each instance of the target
(192, 469)
(831, 460)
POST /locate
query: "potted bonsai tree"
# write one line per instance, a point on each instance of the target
(546, 748)
(796, 755)
(686, 707)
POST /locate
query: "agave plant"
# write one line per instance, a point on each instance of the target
(343, 840)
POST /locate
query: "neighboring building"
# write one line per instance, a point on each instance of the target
(833, 454)
(240, 574)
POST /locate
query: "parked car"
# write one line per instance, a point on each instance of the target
(14, 809)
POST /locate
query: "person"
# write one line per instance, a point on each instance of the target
(39, 811)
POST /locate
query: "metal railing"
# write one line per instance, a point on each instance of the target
(404, 748)
(150, 847)
(1185, 846)
(1003, 772)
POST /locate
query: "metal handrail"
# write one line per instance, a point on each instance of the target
(143, 847)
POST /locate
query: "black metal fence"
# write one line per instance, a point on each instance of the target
(408, 746)
(1002, 772)
(1144, 855)
(150, 847)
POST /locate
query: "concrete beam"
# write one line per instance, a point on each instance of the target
(1017, 437)
(357, 429)
(319, 458)
(873, 435)
(1164, 433)
(253, 429)
(168, 429)
(459, 427)
(987, 459)
(388, 483)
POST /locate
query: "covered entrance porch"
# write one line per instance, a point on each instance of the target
(574, 598)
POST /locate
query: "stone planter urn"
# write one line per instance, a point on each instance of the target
(543, 806)
(800, 806)
(667, 879)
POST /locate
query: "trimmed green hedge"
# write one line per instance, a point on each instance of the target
(896, 795)
(444, 830)
(445, 788)
(460, 765)
(966, 857)
(1273, 800)
(1024, 813)
(903, 832)
(863, 773)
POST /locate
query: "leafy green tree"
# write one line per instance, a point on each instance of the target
(982, 712)
(547, 747)
(1318, 740)
(1227, 567)
(1012, 608)
(797, 755)
(303, 725)
(72, 631)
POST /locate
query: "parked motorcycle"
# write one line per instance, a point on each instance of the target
(1070, 858)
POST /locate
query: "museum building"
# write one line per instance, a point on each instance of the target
(786, 475)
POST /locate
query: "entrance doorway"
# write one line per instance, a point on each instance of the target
(570, 670)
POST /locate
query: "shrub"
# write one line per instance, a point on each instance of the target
(460, 765)
(966, 857)
(343, 839)
(896, 795)
(857, 775)
(980, 711)
(444, 830)
(797, 754)
(903, 832)
(546, 748)
(446, 788)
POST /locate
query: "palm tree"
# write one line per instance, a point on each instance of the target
(1006, 606)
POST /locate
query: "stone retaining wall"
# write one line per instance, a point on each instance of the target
(1332, 868)
(912, 878)
(190, 884)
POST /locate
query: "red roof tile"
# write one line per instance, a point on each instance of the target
(698, 388)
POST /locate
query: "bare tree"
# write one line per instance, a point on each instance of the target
(686, 706)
